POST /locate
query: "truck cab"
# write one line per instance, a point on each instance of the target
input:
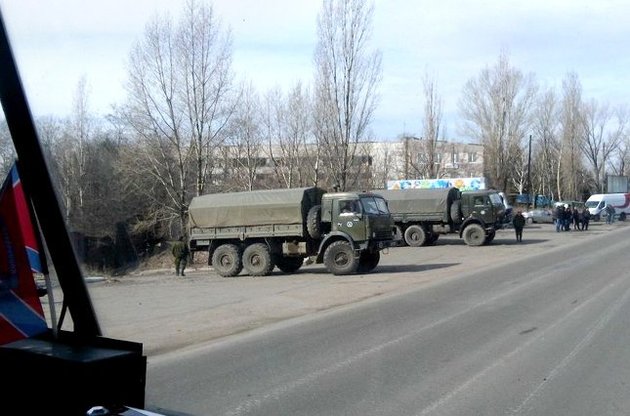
(484, 208)
(362, 216)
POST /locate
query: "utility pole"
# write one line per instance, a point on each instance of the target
(406, 157)
(529, 176)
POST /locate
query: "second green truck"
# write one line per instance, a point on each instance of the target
(421, 215)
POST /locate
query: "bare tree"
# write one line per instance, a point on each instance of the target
(287, 122)
(601, 138)
(432, 125)
(206, 59)
(518, 178)
(69, 145)
(179, 101)
(347, 74)
(246, 141)
(496, 108)
(80, 132)
(622, 159)
(570, 165)
(546, 152)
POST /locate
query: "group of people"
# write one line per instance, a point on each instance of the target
(564, 216)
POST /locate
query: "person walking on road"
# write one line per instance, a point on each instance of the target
(610, 214)
(577, 222)
(586, 218)
(180, 253)
(559, 217)
(518, 222)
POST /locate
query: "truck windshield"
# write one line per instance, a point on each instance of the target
(496, 199)
(374, 205)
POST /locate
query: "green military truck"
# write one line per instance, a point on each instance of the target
(421, 215)
(260, 230)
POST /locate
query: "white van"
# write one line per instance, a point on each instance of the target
(597, 202)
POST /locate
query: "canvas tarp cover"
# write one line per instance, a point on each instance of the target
(419, 201)
(268, 207)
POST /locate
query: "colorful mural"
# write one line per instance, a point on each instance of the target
(464, 184)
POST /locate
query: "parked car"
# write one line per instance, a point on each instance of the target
(538, 216)
(573, 204)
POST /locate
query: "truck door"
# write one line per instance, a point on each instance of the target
(483, 208)
(349, 214)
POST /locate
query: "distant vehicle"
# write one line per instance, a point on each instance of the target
(538, 216)
(260, 230)
(597, 202)
(421, 215)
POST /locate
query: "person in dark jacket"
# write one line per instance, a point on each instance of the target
(568, 216)
(586, 218)
(180, 253)
(518, 221)
(577, 223)
(610, 214)
(559, 216)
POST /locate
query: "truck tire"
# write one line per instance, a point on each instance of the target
(257, 260)
(415, 236)
(368, 261)
(474, 235)
(289, 264)
(226, 260)
(313, 221)
(455, 213)
(339, 258)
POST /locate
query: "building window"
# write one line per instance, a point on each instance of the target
(472, 157)
(437, 157)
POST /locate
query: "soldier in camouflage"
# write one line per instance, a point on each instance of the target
(180, 253)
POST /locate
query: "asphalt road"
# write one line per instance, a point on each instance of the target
(501, 335)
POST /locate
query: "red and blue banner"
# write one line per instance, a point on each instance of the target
(21, 313)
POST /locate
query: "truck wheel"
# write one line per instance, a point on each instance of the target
(257, 260)
(313, 221)
(474, 235)
(226, 260)
(339, 258)
(415, 236)
(289, 264)
(368, 261)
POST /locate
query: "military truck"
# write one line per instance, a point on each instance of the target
(282, 227)
(421, 215)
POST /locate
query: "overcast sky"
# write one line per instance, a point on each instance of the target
(57, 42)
